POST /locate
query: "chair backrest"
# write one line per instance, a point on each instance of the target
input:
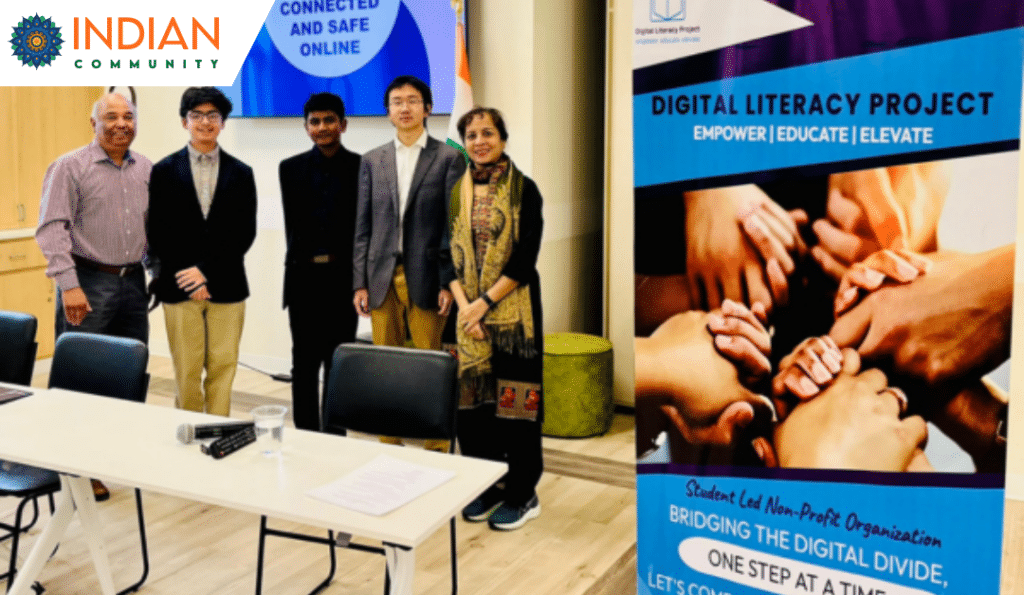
(101, 365)
(394, 391)
(17, 347)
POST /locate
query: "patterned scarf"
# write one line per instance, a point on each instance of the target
(484, 233)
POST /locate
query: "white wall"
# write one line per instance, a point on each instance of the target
(619, 195)
(542, 65)
(1015, 436)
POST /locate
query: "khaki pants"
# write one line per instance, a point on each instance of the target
(202, 335)
(399, 316)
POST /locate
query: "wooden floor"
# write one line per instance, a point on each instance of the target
(583, 543)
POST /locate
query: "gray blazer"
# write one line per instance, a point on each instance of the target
(426, 214)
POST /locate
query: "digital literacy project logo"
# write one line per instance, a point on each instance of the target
(36, 41)
(668, 11)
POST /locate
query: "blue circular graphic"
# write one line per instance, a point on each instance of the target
(330, 38)
(269, 85)
(36, 41)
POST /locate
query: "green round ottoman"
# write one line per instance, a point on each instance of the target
(577, 385)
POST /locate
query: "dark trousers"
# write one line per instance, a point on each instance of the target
(321, 317)
(119, 305)
(512, 441)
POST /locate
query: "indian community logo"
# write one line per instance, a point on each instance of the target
(36, 41)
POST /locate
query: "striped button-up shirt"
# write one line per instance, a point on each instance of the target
(94, 209)
(204, 174)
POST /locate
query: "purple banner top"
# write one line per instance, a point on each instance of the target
(842, 28)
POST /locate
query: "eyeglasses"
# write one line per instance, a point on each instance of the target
(212, 117)
(411, 102)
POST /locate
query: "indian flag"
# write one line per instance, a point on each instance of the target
(463, 89)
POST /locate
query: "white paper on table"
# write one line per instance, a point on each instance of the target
(382, 485)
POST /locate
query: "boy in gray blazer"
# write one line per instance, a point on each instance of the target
(404, 186)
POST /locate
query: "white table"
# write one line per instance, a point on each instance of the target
(85, 436)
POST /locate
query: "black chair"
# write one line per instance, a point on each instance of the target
(390, 391)
(110, 367)
(101, 365)
(17, 347)
(17, 360)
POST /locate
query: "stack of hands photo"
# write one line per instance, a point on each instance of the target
(915, 330)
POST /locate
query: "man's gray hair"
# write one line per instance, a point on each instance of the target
(103, 100)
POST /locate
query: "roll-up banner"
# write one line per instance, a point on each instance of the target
(825, 196)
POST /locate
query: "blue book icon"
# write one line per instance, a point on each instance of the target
(665, 11)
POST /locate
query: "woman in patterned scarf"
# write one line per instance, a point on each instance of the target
(495, 227)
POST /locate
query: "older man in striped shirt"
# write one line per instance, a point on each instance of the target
(92, 228)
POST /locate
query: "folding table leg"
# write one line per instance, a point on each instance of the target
(401, 562)
(144, 546)
(48, 539)
(92, 528)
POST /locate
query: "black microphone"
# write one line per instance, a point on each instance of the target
(187, 433)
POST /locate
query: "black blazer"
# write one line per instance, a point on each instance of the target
(180, 237)
(299, 194)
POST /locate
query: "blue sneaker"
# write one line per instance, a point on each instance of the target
(481, 509)
(507, 518)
